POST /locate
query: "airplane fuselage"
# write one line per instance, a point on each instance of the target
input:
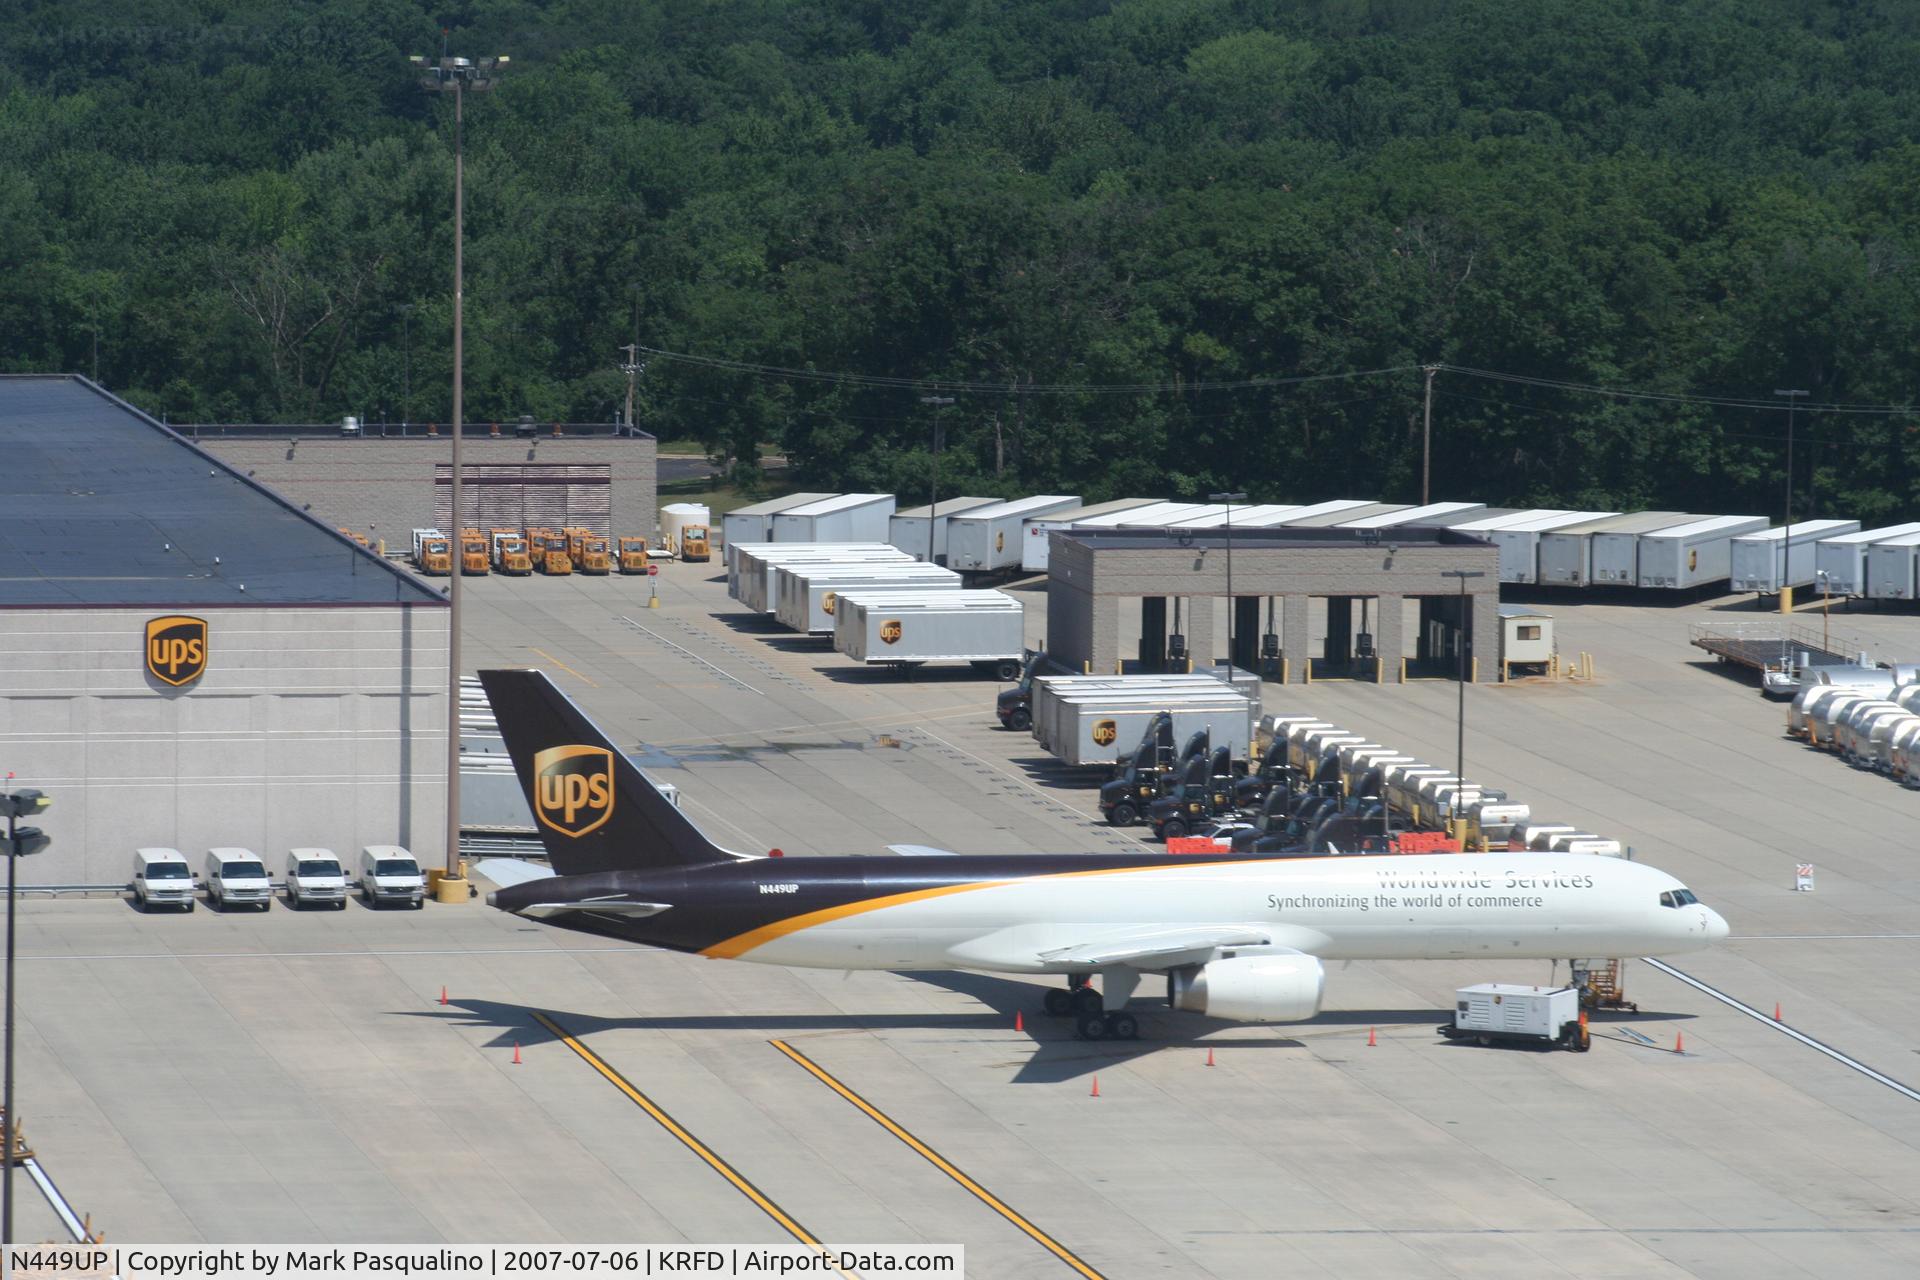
(1003, 913)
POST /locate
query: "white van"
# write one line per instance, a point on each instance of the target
(162, 878)
(316, 876)
(388, 873)
(237, 878)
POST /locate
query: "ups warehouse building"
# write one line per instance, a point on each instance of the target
(187, 659)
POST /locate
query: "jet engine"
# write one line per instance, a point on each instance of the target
(1260, 988)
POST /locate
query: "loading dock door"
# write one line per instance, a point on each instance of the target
(515, 495)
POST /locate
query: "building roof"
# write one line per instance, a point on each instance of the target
(101, 506)
(1283, 539)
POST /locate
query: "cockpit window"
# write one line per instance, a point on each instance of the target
(1678, 898)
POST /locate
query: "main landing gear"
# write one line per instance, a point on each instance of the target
(1091, 1019)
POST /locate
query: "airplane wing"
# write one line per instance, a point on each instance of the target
(1158, 948)
(596, 906)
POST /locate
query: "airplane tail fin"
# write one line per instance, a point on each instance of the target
(595, 811)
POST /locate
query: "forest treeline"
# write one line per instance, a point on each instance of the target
(234, 210)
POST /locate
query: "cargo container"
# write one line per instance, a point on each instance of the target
(1860, 741)
(1840, 563)
(845, 517)
(755, 523)
(1036, 534)
(985, 628)
(1566, 552)
(992, 538)
(1695, 554)
(1049, 691)
(1890, 567)
(910, 530)
(806, 595)
(1519, 540)
(1275, 727)
(1243, 516)
(748, 564)
(1331, 519)
(1150, 515)
(1101, 730)
(1757, 558)
(1313, 510)
(1427, 514)
(1892, 752)
(1613, 555)
(1824, 718)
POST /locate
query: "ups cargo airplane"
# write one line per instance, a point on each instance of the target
(1240, 937)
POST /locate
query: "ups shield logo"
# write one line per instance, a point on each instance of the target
(890, 631)
(1693, 559)
(1104, 732)
(1000, 540)
(826, 602)
(573, 788)
(177, 649)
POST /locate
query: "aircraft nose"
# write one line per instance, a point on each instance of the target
(1716, 925)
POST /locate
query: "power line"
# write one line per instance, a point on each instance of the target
(1007, 388)
(1671, 397)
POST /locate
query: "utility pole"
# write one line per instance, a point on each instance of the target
(1229, 499)
(1426, 440)
(1786, 539)
(633, 369)
(406, 365)
(456, 76)
(933, 488)
(1460, 716)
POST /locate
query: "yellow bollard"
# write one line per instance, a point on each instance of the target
(1786, 599)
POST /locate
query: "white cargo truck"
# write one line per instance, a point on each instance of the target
(755, 523)
(1519, 540)
(1100, 731)
(1490, 1012)
(1890, 568)
(1762, 561)
(751, 576)
(809, 594)
(988, 539)
(1566, 553)
(845, 517)
(921, 532)
(1034, 542)
(984, 628)
(1840, 563)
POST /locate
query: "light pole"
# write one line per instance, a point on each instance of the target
(633, 368)
(1229, 499)
(933, 488)
(21, 841)
(1826, 600)
(456, 76)
(1460, 717)
(406, 365)
(1786, 539)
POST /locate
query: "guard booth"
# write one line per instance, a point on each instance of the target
(1526, 639)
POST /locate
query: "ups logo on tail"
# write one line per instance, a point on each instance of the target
(890, 631)
(177, 648)
(573, 788)
(1104, 732)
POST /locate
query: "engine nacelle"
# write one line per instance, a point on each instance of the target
(1264, 988)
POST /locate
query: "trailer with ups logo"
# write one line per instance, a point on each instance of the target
(905, 627)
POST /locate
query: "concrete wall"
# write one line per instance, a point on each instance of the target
(383, 487)
(310, 726)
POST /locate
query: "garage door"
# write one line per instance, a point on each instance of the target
(515, 495)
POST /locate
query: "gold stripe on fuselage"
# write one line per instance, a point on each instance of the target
(738, 945)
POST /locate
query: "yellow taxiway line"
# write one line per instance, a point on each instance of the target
(939, 1162)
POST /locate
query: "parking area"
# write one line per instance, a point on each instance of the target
(295, 1076)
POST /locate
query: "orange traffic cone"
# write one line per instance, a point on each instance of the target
(1096, 1087)
(1776, 1011)
(443, 995)
(516, 1053)
(1019, 1020)
(1209, 1055)
(1679, 1042)
(1371, 1041)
